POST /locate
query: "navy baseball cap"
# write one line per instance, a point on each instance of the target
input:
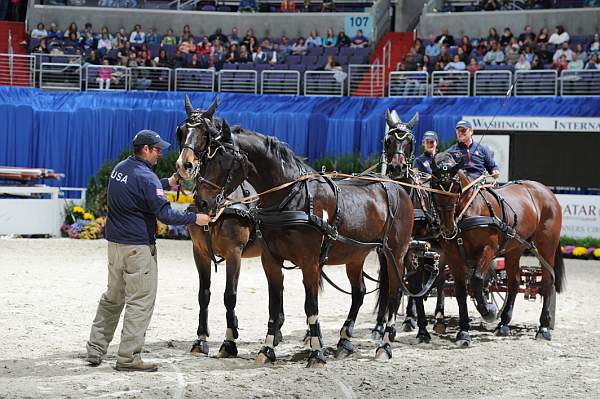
(465, 124)
(430, 135)
(149, 137)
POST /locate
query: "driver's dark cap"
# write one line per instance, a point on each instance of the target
(464, 124)
(430, 135)
(151, 138)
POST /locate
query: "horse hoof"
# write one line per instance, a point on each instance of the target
(423, 337)
(265, 355)
(544, 333)
(408, 325)
(316, 360)
(391, 332)
(344, 348)
(492, 313)
(502, 331)
(228, 349)
(377, 332)
(463, 339)
(199, 348)
(384, 352)
(439, 328)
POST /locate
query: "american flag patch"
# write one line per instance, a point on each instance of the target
(160, 192)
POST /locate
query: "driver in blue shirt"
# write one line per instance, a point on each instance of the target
(478, 159)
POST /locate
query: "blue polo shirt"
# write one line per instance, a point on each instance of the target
(423, 162)
(135, 200)
(477, 158)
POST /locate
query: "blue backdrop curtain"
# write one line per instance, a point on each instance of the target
(74, 133)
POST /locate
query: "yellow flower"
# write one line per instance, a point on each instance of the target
(88, 216)
(579, 251)
(77, 209)
(597, 252)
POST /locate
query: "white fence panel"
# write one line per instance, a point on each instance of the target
(242, 81)
(408, 84)
(106, 77)
(190, 79)
(17, 70)
(323, 83)
(366, 80)
(536, 83)
(450, 83)
(280, 82)
(54, 76)
(492, 83)
(149, 78)
(580, 83)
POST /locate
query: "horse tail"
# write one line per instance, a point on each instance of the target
(560, 277)
(383, 281)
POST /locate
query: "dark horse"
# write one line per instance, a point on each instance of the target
(398, 148)
(478, 224)
(231, 236)
(310, 220)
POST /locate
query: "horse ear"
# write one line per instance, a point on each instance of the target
(211, 110)
(225, 132)
(392, 118)
(189, 109)
(413, 122)
(434, 168)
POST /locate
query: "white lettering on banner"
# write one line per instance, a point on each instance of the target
(535, 123)
(581, 215)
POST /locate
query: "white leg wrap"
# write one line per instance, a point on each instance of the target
(229, 335)
(269, 341)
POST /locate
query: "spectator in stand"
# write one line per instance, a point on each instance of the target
(456, 65)
(185, 34)
(332, 64)
(314, 40)
(218, 35)
(276, 55)
(118, 41)
(328, 6)
(266, 45)
(461, 54)
(285, 46)
(249, 40)
(260, 57)
(359, 40)
(528, 51)
(189, 46)
(543, 36)
(162, 60)
(287, 6)
(495, 55)
(511, 54)
(87, 28)
(71, 44)
(104, 30)
(536, 64)
(559, 36)
(218, 51)
(522, 64)
(544, 54)
(124, 53)
(299, 48)
(433, 48)
(412, 60)
(527, 34)
(329, 40)
(426, 64)
(563, 50)
(233, 55)
(465, 45)
(445, 38)
(593, 63)
(153, 37)
(343, 40)
(87, 41)
(247, 5)
(195, 62)
(41, 47)
(72, 29)
(169, 39)
(438, 66)
(576, 64)
(137, 37)
(54, 32)
(581, 53)
(506, 38)
(205, 47)
(473, 66)
(418, 45)
(561, 64)
(104, 75)
(143, 59)
(245, 55)
(234, 38)
(179, 60)
(489, 5)
(595, 45)
(39, 32)
(444, 57)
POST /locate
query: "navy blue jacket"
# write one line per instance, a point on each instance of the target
(477, 158)
(135, 200)
(423, 162)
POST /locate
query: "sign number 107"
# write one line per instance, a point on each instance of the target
(357, 22)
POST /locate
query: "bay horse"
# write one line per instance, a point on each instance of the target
(310, 220)
(232, 237)
(478, 224)
(398, 152)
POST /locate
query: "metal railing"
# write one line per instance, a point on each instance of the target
(238, 81)
(492, 83)
(55, 76)
(580, 83)
(106, 77)
(408, 84)
(280, 82)
(150, 78)
(17, 70)
(366, 80)
(187, 79)
(323, 83)
(450, 84)
(536, 83)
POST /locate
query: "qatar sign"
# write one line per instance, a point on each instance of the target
(581, 215)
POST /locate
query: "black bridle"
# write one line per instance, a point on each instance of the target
(444, 180)
(401, 133)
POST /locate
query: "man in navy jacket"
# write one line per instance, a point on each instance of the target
(477, 158)
(136, 199)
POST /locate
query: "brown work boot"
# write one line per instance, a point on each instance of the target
(141, 366)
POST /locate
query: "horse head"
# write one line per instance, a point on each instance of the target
(399, 144)
(446, 178)
(193, 136)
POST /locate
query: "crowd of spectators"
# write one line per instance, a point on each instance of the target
(151, 49)
(507, 5)
(524, 51)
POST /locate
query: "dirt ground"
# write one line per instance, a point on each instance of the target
(49, 290)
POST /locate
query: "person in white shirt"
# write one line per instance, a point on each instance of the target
(559, 36)
(564, 50)
(39, 32)
(314, 40)
(455, 65)
(523, 64)
(137, 36)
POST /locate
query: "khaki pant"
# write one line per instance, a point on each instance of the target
(132, 281)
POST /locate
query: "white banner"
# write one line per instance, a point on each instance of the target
(534, 123)
(581, 215)
(500, 147)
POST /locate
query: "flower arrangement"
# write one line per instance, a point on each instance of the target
(80, 224)
(586, 248)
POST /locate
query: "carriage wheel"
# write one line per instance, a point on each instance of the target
(497, 291)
